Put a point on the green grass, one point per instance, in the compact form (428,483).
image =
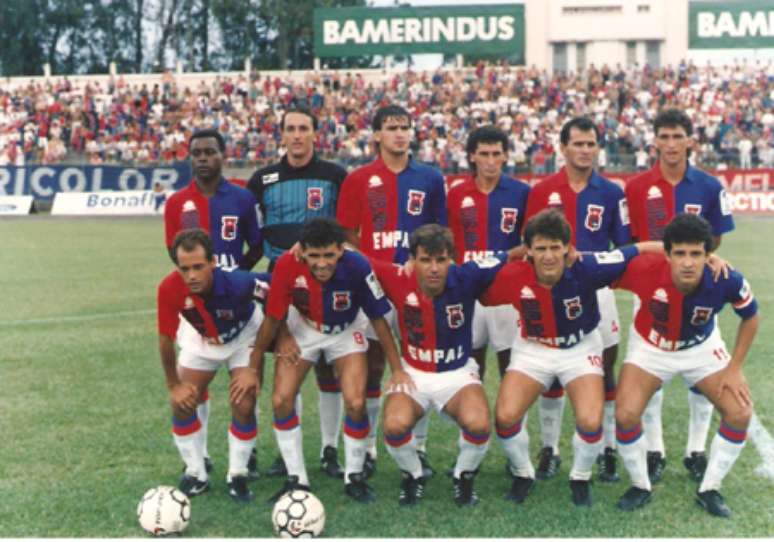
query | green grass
(85,424)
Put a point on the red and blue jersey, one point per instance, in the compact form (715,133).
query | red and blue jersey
(560,316)
(218,316)
(435,333)
(670,320)
(483,224)
(386,207)
(330,306)
(653,202)
(230,217)
(597,215)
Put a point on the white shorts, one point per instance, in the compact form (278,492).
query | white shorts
(197,353)
(609,324)
(436,389)
(392,321)
(312,343)
(543,363)
(693,364)
(495,326)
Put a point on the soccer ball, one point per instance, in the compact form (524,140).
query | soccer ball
(298,514)
(164,510)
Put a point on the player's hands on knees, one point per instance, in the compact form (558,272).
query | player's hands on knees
(718,266)
(286,349)
(242,384)
(184,396)
(400,381)
(733,380)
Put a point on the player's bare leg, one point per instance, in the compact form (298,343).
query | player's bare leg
(241,441)
(470,410)
(517,392)
(376,364)
(726,445)
(587,398)
(352,372)
(550,410)
(330,417)
(186,429)
(401,413)
(607,460)
(635,388)
(479,354)
(288,377)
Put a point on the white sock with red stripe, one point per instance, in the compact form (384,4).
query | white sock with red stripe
(420,431)
(515,443)
(725,449)
(241,440)
(608,420)
(203,413)
(651,423)
(473,448)
(586,446)
(330,412)
(290,443)
(403,449)
(631,447)
(373,400)
(700,409)
(550,410)
(188,442)
(355,439)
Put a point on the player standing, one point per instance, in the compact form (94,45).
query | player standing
(595,209)
(672,186)
(299,188)
(213,315)
(381,204)
(674,332)
(227,212)
(486,214)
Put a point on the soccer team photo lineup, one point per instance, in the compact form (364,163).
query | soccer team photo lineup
(324,290)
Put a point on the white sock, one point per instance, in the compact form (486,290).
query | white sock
(290,444)
(515,443)
(203,413)
(700,409)
(330,418)
(188,442)
(651,424)
(420,431)
(355,441)
(472,451)
(550,410)
(585,448)
(373,400)
(608,425)
(241,440)
(726,447)
(632,449)
(403,450)
(298,404)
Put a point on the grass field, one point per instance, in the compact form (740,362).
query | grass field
(85,425)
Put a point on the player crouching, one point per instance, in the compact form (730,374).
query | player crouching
(323,296)
(218,324)
(674,333)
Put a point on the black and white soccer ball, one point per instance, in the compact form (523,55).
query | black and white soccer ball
(164,510)
(298,514)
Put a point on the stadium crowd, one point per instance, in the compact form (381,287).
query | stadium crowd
(732,108)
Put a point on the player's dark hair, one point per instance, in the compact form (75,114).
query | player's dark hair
(688,228)
(673,118)
(386,112)
(321,232)
(433,238)
(549,224)
(486,134)
(582,124)
(303,110)
(209,132)
(188,240)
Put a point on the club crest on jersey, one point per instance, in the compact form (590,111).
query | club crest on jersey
(594,217)
(693,209)
(701,316)
(654,192)
(341,300)
(554,200)
(573,308)
(314,198)
(416,201)
(508,216)
(228,227)
(225,314)
(454,315)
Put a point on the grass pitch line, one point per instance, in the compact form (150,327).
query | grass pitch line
(77,318)
(764,443)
